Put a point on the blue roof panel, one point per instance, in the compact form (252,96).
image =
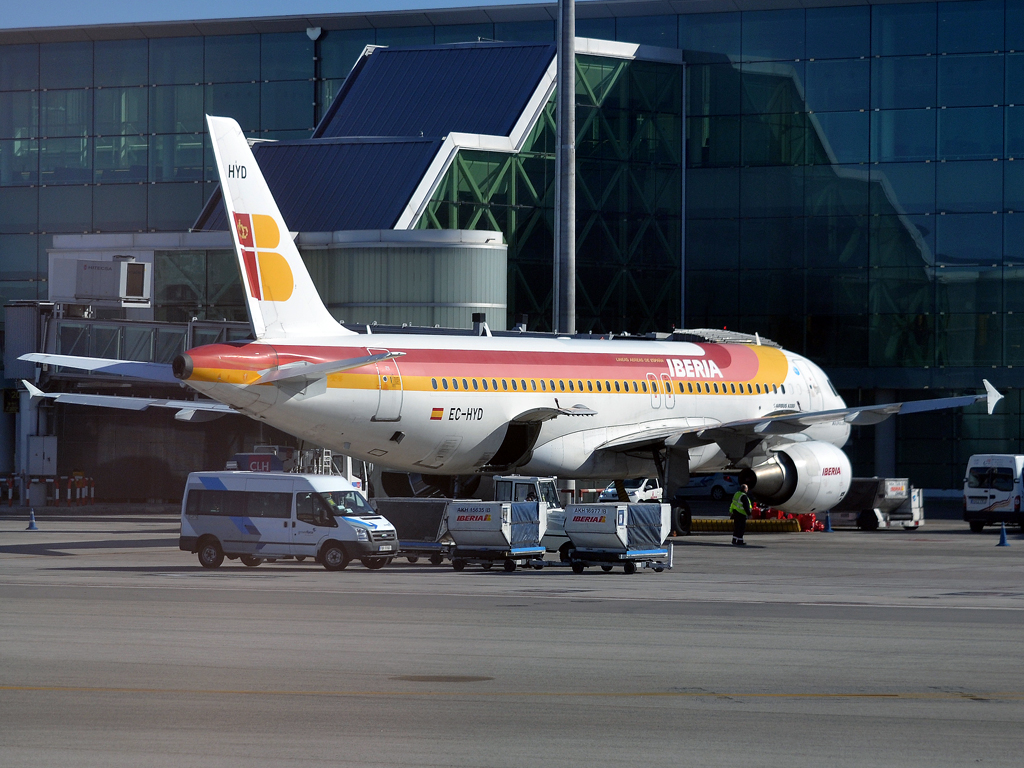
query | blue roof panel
(326,185)
(469,88)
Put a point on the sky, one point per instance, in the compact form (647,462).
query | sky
(16,14)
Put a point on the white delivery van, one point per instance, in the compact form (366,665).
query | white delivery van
(267,516)
(992,490)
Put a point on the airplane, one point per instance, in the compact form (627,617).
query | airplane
(546,405)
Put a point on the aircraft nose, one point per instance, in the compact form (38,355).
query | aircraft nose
(182,367)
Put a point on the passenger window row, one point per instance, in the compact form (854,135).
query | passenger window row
(238,503)
(592,385)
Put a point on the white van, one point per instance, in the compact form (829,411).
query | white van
(992,490)
(267,516)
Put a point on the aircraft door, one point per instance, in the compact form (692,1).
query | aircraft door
(666,386)
(389,378)
(652,382)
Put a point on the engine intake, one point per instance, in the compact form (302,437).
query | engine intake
(801,478)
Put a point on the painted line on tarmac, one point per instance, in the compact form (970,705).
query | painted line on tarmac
(893,696)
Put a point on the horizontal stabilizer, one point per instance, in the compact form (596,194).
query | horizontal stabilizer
(303,370)
(137,370)
(203,410)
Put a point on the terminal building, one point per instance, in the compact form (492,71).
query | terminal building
(847,181)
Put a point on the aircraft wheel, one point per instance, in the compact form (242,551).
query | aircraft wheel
(510,565)
(577,567)
(210,554)
(250,560)
(629,568)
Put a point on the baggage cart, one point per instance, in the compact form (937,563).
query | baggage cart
(421,527)
(607,535)
(487,532)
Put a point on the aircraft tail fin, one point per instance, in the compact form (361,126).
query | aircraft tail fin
(280,295)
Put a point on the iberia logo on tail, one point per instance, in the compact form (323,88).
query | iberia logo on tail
(267,273)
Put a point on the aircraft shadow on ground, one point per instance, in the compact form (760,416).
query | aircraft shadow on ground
(50,549)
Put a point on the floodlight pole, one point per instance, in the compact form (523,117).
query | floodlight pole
(564,288)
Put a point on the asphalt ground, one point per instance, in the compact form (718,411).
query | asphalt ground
(843,649)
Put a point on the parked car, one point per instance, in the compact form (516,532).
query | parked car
(638,489)
(718,486)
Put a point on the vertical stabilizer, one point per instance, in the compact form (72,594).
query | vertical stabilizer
(281,298)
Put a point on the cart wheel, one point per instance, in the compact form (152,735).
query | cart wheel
(510,565)
(374,563)
(565,552)
(250,560)
(537,566)
(299,558)
(458,564)
(629,568)
(436,559)
(413,559)
(658,568)
(606,568)
(577,567)
(487,565)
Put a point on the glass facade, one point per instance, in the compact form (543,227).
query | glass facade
(854,181)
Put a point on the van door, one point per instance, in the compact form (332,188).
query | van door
(990,486)
(269,507)
(312,524)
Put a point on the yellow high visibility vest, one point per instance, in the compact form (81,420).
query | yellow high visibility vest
(737,503)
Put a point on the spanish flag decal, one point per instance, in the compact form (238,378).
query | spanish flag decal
(437,414)
(267,274)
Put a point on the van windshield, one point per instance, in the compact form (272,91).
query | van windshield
(350,503)
(996,478)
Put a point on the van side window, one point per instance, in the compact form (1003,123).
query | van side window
(260,504)
(238,503)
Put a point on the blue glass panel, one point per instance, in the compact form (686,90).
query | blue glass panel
(65,113)
(65,65)
(121,111)
(710,294)
(65,161)
(65,209)
(525,31)
(903,30)
(339,49)
(713,244)
(969,186)
(1015,78)
(287,106)
(843,136)
(969,341)
(903,134)
(176,109)
(286,56)
(19,162)
(969,238)
(232,59)
(837,291)
(970,80)
(122,62)
(120,208)
(712,141)
(976,25)
(1013,253)
(903,188)
(19,115)
(1013,185)
(462,33)
(19,254)
(763,291)
(176,60)
(120,159)
(19,67)
(401,37)
(1014,39)
(712,193)
(774,139)
(838,241)
(1015,132)
(713,89)
(837,86)
(238,100)
(838,33)
(970,133)
(903,83)
(969,289)
(770,192)
(773,35)
(906,290)
(903,241)
(176,157)
(773,87)
(600,29)
(174,207)
(833,190)
(648,30)
(710,33)
(21,209)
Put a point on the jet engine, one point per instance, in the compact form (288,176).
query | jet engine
(801,477)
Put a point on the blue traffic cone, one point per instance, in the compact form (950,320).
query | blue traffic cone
(828,522)
(1002,536)
(32,521)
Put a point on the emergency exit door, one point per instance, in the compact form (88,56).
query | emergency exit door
(389,380)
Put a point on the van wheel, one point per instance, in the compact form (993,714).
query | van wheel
(374,563)
(299,558)
(210,554)
(333,557)
(249,560)
(413,559)
(977,526)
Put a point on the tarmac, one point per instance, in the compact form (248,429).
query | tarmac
(803,649)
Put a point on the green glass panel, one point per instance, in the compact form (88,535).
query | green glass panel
(65,113)
(19,162)
(400,37)
(20,206)
(176,60)
(19,115)
(120,208)
(238,100)
(286,56)
(286,106)
(339,49)
(176,158)
(18,259)
(65,209)
(121,111)
(65,161)
(970,340)
(903,340)
(120,159)
(525,31)
(176,109)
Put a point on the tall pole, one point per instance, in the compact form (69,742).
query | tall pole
(564,288)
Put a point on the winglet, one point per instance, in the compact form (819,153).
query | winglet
(992,396)
(34,392)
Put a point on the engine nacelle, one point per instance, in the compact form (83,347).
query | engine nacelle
(801,478)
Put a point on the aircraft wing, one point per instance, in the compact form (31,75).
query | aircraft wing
(302,370)
(737,437)
(149,371)
(188,410)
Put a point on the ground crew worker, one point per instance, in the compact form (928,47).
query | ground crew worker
(739,510)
